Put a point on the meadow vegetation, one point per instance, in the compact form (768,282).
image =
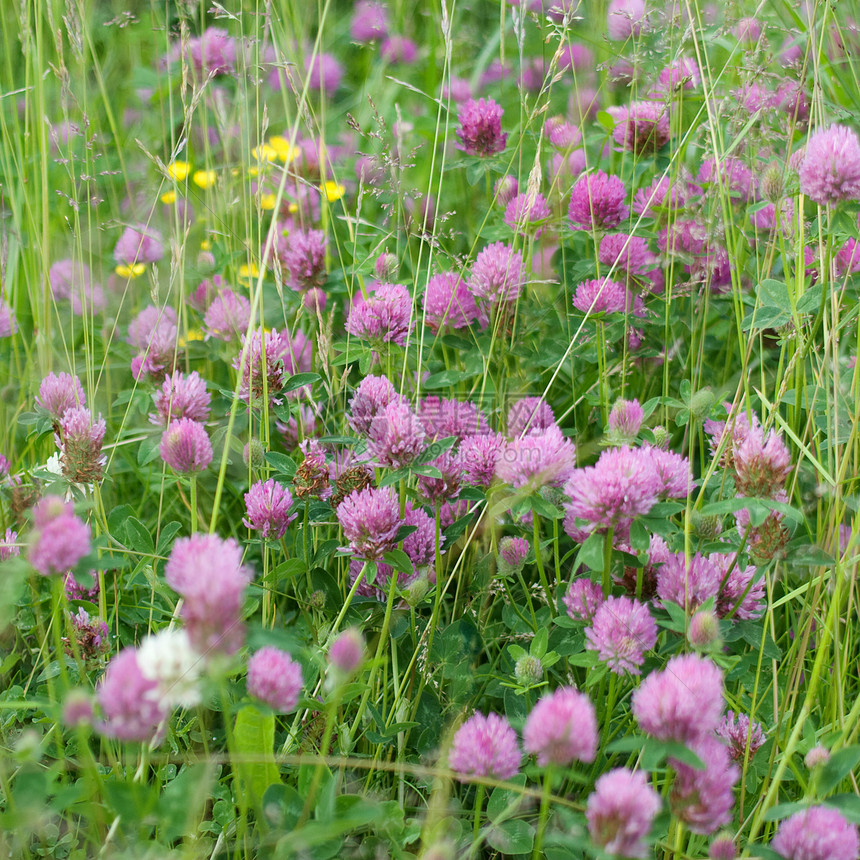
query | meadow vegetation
(429,430)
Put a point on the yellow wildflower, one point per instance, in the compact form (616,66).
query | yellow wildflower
(130,272)
(247,272)
(204,178)
(179,170)
(192,334)
(265,153)
(285,152)
(333,191)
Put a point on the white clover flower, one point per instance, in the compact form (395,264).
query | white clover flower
(168,658)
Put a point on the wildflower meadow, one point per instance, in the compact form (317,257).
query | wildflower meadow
(429,429)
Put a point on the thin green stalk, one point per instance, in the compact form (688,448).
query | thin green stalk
(543,817)
(679,839)
(528,598)
(374,671)
(437,597)
(601,373)
(800,721)
(193,502)
(58,622)
(232,753)
(610,707)
(331,714)
(513,604)
(268,588)
(607,561)
(476,824)
(306,548)
(346,604)
(539,561)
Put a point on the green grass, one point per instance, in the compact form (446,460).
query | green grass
(362,770)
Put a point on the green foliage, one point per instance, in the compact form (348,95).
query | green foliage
(93,120)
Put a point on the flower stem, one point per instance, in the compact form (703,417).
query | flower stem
(806,708)
(374,670)
(476,828)
(193,502)
(437,597)
(679,839)
(613,691)
(58,622)
(601,372)
(331,714)
(607,562)
(539,560)
(306,548)
(544,812)
(347,602)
